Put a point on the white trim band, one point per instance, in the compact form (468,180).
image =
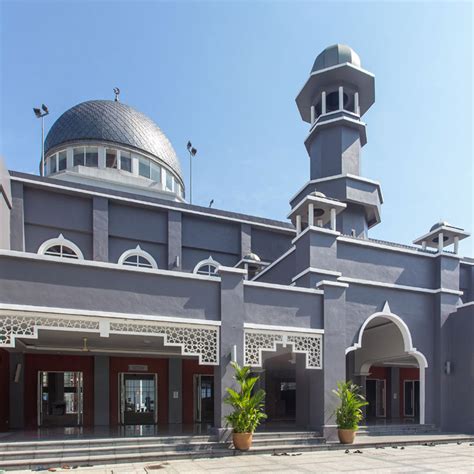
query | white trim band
(274,286)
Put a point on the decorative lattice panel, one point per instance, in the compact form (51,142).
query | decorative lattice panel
(258,341)
(27,326)
(193,341)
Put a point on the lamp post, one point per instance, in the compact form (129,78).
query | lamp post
(192,152)
(41,113)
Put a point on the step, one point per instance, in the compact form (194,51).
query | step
(81,442)
(285,434)
(213,450)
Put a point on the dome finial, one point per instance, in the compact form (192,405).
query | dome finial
(117,93)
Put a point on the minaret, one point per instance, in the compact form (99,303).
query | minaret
(336,95)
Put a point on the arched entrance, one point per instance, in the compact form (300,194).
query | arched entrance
(390,370)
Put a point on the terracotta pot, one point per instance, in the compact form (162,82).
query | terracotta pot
(242,441)
(346,436)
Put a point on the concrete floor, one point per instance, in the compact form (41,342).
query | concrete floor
(448,458)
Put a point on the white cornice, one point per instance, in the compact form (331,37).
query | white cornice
(269,327)
(465,305)
(105,265)
(332,283)
(369,243)
(340,176)
(314,228)
(152,204)
(394,286)
(8,308)
(318,271)
(274,286)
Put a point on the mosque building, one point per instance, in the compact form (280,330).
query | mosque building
(123,305)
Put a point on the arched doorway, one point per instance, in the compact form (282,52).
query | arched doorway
(390,370)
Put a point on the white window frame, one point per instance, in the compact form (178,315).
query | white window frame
(137,251)
(60,240)
(207,262)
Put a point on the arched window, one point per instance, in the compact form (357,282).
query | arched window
(137,258)
(61,247)
(207,267)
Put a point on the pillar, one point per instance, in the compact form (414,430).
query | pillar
(175,397)
(17,219)
(17,390)
(341,98)
(174,240)
(333,218)
(356,103)
(311,214)
(232,334)
(323,102)
(100,229)
(440,242)
(313,114)
(101,391)
(298,224)
(334,357)
(395,392)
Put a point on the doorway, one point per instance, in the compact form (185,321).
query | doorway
(138,398)
(203,398)
(60,398)
(376,396)
(411,398)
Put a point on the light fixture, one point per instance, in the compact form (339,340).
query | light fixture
(85,347)
(41,113)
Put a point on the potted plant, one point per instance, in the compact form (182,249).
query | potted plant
(247,407)
(349,412)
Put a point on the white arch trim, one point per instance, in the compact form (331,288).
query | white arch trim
(207,261)
(141,253)
(408,346)
(60,240)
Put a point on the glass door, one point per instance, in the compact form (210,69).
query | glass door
(411,398)
(380,398)
(60,398)
(138,399)
(203,398)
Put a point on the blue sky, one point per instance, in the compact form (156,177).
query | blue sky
(225,75)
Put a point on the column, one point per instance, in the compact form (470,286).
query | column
(334,357)
(298,224)
(17,390)
(356,103)
(174,240)
(101,391)
(311,214)
(341,98)
(175,397)
(323,102)
(100,229)
(17,218)
(101,157)
(232,334)
(313,114)
(333,218)
(440,242)
(456,244)
(395,393)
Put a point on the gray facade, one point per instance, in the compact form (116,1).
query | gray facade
(336,303)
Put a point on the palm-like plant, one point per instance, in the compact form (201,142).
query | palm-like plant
(349,413)
(248,407)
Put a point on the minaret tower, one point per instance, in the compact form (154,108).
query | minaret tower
(336,95)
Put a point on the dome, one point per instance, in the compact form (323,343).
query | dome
(334,55)
(115,122)
(442,224)
(318,194)
(252,256)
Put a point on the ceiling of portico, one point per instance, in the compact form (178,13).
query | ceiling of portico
(69,342)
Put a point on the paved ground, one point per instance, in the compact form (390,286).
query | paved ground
(452,458)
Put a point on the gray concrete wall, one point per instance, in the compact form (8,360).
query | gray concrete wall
(175,390)
(101,391)
(53,283)
(5,206)
(283,308)
(459,405)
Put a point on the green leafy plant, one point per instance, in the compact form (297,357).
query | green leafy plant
(247,407)
(349,412)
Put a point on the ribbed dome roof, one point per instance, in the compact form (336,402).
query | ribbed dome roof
(334,55)
(115,122)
